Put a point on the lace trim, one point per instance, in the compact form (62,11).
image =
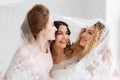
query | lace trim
(23,65)
(66,63)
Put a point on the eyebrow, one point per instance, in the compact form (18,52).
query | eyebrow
(84,29)
(90,30)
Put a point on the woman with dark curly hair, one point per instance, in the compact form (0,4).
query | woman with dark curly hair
(60,47)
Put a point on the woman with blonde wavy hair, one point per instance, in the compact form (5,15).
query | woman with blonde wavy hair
(87,39)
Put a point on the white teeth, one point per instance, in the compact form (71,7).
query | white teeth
(83,40)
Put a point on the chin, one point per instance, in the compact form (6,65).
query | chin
(82,44)
(63,46)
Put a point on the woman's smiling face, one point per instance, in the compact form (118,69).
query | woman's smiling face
(87,35)
(62,36)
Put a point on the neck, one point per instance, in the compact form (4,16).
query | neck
(58,54)
(42,43)
(58,51)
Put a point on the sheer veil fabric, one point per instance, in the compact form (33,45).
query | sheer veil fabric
(95,65)
(27,63)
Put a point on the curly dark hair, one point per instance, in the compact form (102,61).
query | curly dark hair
(67,50)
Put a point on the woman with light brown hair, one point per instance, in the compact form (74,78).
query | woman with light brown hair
(33,61)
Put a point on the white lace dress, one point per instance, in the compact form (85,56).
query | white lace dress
(91,67)
(59,71)
(29,63)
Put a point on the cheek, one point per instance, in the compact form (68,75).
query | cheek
(57,42)
(68,36)
(50,30)
(58,38)
(89,37)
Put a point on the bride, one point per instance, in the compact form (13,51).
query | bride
(32,61)
(95,57)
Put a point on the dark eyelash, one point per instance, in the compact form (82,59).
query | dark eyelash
(90,32)
(68,33)
(58,33)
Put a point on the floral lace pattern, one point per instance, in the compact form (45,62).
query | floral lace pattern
(91,67)
(65,64)
(60,70)
(94,66)
(29,64)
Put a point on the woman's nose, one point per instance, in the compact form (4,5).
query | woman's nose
(65,36)
(84,35)
(55,28)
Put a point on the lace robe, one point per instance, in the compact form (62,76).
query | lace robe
(93,66)
(29,63)
(59,71)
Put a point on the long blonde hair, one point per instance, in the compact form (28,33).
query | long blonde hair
(91,43)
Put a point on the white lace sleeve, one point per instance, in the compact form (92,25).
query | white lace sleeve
(16,67)
(29,63)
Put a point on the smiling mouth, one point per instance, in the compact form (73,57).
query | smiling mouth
(83,40)
(65,42)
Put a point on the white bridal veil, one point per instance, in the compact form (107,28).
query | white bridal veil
(97,65)
(93,66)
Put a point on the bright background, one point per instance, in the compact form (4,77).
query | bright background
(12,14)
(113,22)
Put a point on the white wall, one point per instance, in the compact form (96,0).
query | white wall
(89,9)
(12,16)
(113,21)
(95,8)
